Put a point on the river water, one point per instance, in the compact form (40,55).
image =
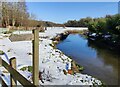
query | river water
(97,62)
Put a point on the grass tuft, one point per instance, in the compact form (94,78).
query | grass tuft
(1,52)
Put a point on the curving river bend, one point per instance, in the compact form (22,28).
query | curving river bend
(97,62)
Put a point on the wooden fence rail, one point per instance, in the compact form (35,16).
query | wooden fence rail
(15,75)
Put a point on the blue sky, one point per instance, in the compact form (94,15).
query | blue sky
(61,12)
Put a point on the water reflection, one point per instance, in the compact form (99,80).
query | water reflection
(98,62)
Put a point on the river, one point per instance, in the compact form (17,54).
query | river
(97,62)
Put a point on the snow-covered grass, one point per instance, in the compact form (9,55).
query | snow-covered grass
(52,61)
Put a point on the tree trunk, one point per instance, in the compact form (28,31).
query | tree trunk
(13,22)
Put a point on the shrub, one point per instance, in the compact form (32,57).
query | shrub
(1,52)
(29,68)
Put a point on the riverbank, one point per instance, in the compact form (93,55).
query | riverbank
(52,61)
(107,41)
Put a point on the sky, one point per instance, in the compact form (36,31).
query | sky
(60,0)
(61,12)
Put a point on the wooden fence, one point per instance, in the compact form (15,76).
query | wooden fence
(15,75)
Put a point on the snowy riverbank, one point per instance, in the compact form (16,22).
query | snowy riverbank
(52,61)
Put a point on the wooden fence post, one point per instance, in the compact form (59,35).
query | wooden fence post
(0,62)
(36,57)
(13,82)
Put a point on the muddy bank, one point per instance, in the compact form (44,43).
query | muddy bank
(21,37)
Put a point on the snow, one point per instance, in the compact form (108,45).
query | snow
(93,34)
(107,36)
(52,61)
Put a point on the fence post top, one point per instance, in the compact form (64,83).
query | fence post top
(35,29)
(12,58)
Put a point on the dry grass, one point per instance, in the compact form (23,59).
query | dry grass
(76,31)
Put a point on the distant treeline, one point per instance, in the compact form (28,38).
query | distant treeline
(51,24)
(80,23)
(108,24)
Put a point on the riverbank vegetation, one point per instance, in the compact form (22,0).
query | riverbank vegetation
(104,30)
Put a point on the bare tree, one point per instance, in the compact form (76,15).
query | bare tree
(14,13)
(0,13)
(5,13)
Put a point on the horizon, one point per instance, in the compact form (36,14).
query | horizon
(61,12)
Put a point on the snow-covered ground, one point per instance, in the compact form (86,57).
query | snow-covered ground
(52,61)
